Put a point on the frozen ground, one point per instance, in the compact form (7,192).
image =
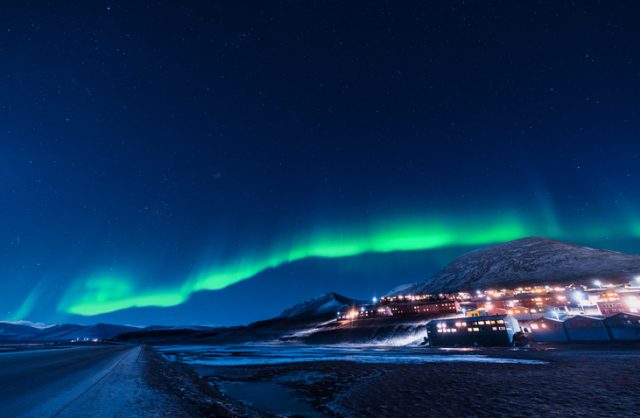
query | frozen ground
(353,381)
(270,354)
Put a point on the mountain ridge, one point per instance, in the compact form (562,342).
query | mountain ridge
(526,261)
(327,303)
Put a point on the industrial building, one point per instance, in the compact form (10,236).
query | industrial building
(546,330)
(487,331)
(623,327)
(426,306)
(582,328)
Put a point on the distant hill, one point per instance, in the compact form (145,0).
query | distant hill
(527,261)
(326,304)
(69,332)
(301,319)
(15,332)
(298,317)
(59,333)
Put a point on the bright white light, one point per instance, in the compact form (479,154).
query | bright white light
(633,303)
(578,296)
(374,299)
(597,283)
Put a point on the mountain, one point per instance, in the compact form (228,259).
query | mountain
(59,333)
(527,261)
(68,332)
(327,303)
(293,324)
(16,332)
(39,325)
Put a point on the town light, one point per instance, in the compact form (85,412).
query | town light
(633,303)
(597,283)
(352,314)
(579,297)
(374,300)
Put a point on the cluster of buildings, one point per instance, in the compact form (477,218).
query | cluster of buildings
(578,313)
(501,330)
(403,306)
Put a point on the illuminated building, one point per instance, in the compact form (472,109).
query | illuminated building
(610,303)
(546,330)
(488,331)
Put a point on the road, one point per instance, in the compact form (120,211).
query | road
(89,381)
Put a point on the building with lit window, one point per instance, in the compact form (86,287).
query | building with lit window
(624,327)
(485,331)
(546,330)
(424,308)
(610,303)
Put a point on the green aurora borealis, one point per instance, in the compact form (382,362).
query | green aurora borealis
(104,293)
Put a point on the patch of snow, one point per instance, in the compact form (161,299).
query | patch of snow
(37,325)
(247,355)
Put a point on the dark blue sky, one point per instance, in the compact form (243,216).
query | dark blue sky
(152,153)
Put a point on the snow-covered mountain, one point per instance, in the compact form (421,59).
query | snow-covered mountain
(68,332)
(527,261)
(327,303)
(10,332)
(16,332)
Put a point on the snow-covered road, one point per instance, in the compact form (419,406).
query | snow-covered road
(94,381)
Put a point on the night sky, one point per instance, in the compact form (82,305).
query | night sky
(199,163)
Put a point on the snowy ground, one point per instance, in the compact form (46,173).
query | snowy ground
(352,381)
(96,381)
(269,354)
